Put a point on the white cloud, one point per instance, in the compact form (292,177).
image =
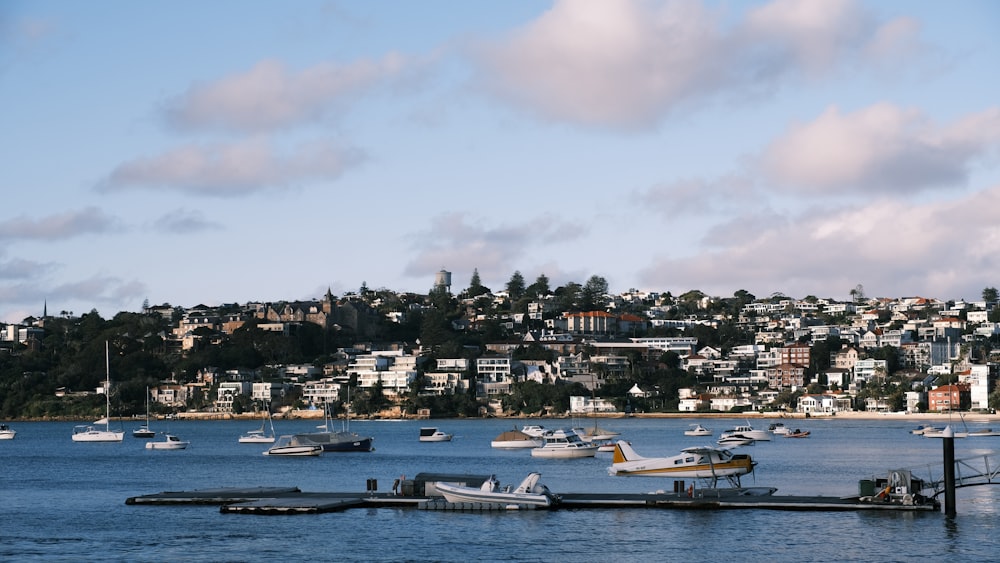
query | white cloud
(184,221)
(234,169)
(893,247)
(879,148)
(271,96)
(59,226)
(628,63)
(460,243)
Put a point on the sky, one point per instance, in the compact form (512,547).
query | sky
(191,152)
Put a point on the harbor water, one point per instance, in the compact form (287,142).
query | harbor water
(65,501)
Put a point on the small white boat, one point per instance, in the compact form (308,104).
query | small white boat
(564,444)
(595,434)
(6,432)
(431,434)
(529,492)
(93,432)
(697,462)
(534,430)
(925,428)
(698,430)
(778,429)
(513,439)
(291,446)
(261,435)
(734,440)
(169,442)
(747,431)
(144,431)
(982,432)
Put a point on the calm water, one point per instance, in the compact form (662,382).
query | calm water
(61,500)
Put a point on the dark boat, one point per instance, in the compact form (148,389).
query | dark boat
(334,441)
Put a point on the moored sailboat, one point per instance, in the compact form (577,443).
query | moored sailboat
(93,432)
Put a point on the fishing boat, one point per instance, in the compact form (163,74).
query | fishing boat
(337,441)
(144,430)
(293,447)
(93,432)
(704,462)
(513,439)
(698,430)
(529,493)
(778,429)
(169,442)
(6,432)
(431,434)
(261,435)
(564,444)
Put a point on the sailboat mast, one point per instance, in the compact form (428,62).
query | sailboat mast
(107,387)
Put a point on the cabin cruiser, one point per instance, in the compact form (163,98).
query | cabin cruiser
(513,439)
(430,434)
(564,443)
(703,462)
(778,429)
(169,442)
(748,431)
(925,428)
(529,492)
(797,434)
(698,430)
(733,440)
(6,432)
(292,446)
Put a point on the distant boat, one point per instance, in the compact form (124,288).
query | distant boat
(292,446)
(6,432)
(513,439)
(92,432)
(797,434)
(534,430)
(698,430)
(260,436)
(334,441)
(169,442)
(563,444)
(431,434)
(747,431)
(144,431)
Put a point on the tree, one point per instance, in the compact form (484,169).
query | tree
(593,292)
(990,295)
(540,288)
(476,288)
(858,293)
(515,287)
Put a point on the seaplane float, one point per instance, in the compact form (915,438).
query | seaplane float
(700,462)
(529,493)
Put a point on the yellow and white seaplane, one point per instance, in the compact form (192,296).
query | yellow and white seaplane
(707,463)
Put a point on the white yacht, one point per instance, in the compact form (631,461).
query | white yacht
(564,443)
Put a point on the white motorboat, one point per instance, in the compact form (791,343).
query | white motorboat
(292,446)
(698,430)
(562,444)
(698,462)
(431,434)
(513,439)
(6,432)
(261,435)
(93,432)
(982,432)
(169,442)
(534,430)
(734,440)
(529,493)
(144,430)
(778,429)
(748,431)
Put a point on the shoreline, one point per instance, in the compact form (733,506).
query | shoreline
(311,415)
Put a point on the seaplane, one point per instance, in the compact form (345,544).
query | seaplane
(700,462)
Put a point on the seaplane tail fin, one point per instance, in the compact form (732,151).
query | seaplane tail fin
(624,452)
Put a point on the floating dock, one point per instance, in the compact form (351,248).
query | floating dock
(290,500)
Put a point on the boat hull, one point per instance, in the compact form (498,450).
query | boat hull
(143,433)
(457,494)
(98,436)
(166,445)
(8,435)
(338,441)
(295,451)
(565,453)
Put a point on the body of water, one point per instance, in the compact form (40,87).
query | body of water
(61,500)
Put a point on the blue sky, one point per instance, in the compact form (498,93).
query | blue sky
(233,151)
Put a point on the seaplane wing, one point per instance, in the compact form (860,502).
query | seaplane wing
(697,462)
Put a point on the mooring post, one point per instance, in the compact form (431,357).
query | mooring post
(949,470)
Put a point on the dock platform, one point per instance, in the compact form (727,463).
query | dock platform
(290,500)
